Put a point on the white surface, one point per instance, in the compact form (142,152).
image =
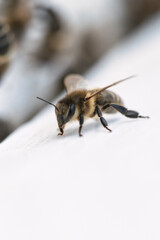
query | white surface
(103,185)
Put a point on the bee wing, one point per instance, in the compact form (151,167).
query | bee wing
(74,82)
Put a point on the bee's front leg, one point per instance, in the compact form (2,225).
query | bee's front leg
(81,121)
(61,131)
(102,119)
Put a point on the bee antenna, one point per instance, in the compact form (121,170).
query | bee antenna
(115,83)
(49,103)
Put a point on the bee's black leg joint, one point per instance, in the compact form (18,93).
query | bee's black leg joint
(81,121)
(102,119)
(125,111)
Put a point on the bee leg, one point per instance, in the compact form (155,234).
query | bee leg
(61,132)
(102,119)
(125,111)
(81,121)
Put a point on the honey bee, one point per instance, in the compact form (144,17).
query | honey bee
(80,103)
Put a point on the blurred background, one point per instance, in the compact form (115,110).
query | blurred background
(43,41)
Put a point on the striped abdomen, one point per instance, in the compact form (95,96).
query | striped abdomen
(107,97)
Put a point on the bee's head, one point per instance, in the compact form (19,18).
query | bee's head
(64,112)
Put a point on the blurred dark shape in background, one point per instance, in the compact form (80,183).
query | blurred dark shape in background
(16,14)
(52,42)
(6,46)
(40,43)
(140,10)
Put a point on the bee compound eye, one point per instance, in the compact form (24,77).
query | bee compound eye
(71,112)
(72,108)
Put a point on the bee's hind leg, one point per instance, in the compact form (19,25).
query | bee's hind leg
(81,121)
(125,111)
(102,119)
